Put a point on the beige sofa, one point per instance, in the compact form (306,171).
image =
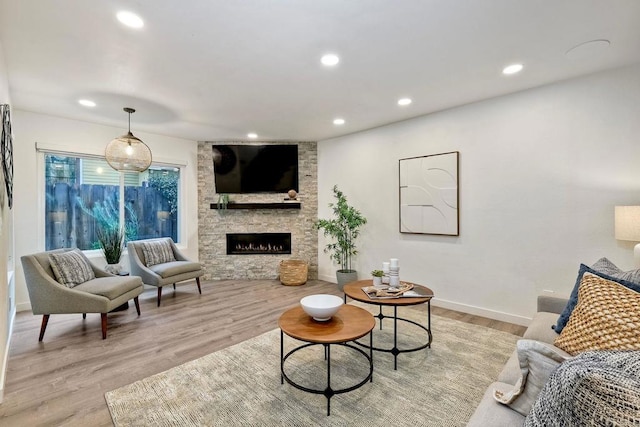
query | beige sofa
(493,414)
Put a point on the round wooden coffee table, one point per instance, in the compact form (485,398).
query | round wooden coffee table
(354,291)
(348,324)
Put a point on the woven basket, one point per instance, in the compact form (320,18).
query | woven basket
(293,272)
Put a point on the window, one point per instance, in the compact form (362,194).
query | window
(84,194)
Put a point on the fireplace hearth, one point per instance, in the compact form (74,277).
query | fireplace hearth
(258,243)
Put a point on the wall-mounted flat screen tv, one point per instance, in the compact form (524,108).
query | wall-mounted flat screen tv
(267,168)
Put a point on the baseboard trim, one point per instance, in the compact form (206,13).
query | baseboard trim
(464,308)
(327,278)
(5,356)
(23,306)
(483,312)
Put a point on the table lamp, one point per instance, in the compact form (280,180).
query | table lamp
(627,226)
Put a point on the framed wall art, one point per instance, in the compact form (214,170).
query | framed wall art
(6,151)
(429,196)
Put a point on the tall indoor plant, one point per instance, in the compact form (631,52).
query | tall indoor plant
(343,229)
(111,240)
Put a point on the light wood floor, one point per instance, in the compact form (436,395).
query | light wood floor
(62,380)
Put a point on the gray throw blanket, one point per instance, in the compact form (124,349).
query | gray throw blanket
(596,388)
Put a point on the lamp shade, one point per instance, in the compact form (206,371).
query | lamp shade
(627,223)
(127,153)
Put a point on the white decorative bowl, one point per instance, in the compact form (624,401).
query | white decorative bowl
(321,307)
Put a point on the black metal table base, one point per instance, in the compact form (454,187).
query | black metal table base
(328,391)
(395,350)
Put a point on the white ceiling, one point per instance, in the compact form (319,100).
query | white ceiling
(218,69)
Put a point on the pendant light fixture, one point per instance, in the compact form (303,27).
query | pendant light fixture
(127,153)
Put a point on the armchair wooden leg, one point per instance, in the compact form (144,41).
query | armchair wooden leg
(43,327)
(174,286)
(159,294)
(104,325)
(198,282)
(84,315)
(135,300)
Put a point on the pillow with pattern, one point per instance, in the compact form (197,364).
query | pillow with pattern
(71,268)
(573,299)
(603,265)
(157,252)
(607,317)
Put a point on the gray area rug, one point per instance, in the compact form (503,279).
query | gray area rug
(240,385)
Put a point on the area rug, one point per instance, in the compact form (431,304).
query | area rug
(240,385)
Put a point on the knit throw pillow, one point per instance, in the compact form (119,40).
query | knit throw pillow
(601,268)
(607,317)
(596,388)
(157,252)
(71,268)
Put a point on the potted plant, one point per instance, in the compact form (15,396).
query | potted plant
(111,240)
(343,229)
(377,277)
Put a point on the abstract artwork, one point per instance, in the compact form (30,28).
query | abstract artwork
(429,194)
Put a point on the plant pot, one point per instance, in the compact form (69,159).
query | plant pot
(346,276)
(113,268)
(377,281)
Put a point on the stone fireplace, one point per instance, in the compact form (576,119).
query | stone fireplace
(258,214)
(258,243)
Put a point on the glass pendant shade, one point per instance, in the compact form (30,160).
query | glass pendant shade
(127,153)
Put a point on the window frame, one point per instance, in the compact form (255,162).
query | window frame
(50,149)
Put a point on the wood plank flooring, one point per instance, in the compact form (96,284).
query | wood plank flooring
(62,380)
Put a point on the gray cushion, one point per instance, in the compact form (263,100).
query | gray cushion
(71,268)
(540,327)
(537,361)
(111,287)
(174,268)
(492,414)
(510,373)
(157,252)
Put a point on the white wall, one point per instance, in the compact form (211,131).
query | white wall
(77,136)
(7,303)
(540,174)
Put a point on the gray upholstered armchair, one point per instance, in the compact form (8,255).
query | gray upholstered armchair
(160,263)
(100,294)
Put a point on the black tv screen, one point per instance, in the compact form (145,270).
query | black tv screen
(255,168)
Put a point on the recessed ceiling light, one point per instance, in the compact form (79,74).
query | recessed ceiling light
(338,121)
(130,19)
(86,103)
(330,60)
(512,69)
(252,135)
(404,101)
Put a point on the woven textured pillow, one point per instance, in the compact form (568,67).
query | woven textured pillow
(537,361)
(596,388)
(573,299)
(607,317)
(157,252)
(71,268)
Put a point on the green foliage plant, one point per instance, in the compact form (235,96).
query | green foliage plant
(111,240)
(106,215)
(166,183)
(343,229)
(377,273)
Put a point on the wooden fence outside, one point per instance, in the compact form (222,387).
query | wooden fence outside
(67,224)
